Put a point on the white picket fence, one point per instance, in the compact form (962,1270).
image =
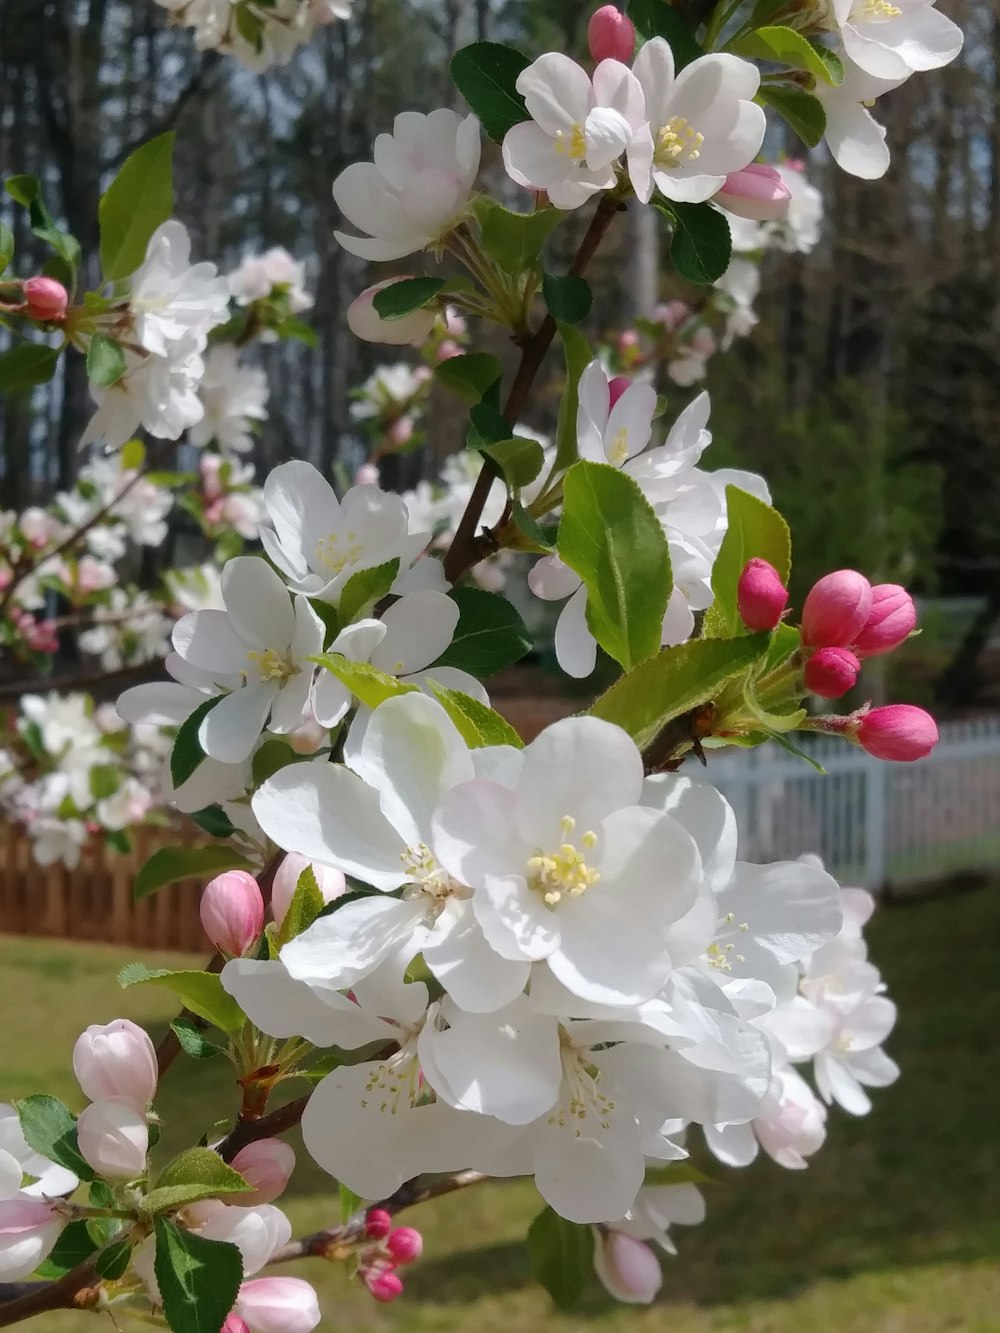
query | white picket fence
(873,823)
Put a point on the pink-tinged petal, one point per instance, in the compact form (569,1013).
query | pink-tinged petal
(576,647)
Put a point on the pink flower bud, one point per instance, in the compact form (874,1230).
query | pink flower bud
(836,609)
(114,1138)
(761,596)
(897,731)
(367,324)
(401,431)
(892,620)
(116,1060)
(611,35)
(378,1223)
(672,315)
(331,883)
(405,1245)
(45,299)
(831,672)
(756,192)
(627,1267)
(28,1230)
(617,387)
(627,341)
(448,350)
(234,1324)
(367,475)
(385,1287)
(267,1165)
(232,911)
(278,1305)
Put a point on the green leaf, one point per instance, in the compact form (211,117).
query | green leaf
(105,361)
(104,779)
(832,61)
(701,246)
(370,685)
(487,425)
(50,1128)
(170,864)
(402,298)
(198,1173)
(610,535)
(519,459)
(560,1254)
(273,755)
(198,1279)
(539,540)
(193,1041)
(569,298)
(187,755)
(674,682)
(26,365)
(515,241)
(363,589)
(489,636)
(350,1203)
(677,1173)
(201,992)
(469,376)
(306,905)
(132,456)
(755,531)
(113,1262)
(136,202)
(6,246)
(27,191)
(215,822)
(784,46)
(803,112)
(655,18)
(74,1246)
(577,355)
(485,74)
(477,723)
(118,840)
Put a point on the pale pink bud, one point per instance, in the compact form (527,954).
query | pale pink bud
(210,467)
(232,911)
(672,315)
(756,192)
(406,1245)
(378,1223)
(761,596)
(897,731)
(831,672)
(286,880)
(367,324)
(892,620)
(267,1165)
(367,475)
(234,1324)
(448,350)
(611,35)
(278,1305)
(617,387)
(627,1267)
(28,1230)
(45,299)
(401,431)
(385,1287)
(628,340)
(114,1138)
(116,1060)
(836,609)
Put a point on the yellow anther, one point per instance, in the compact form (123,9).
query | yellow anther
(336,554)
(589,840)
(567,824)
(576,147)
(270,666)
(618,452)
(563,873)
(677,142)
(881,9)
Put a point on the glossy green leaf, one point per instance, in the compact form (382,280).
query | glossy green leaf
(306,905)
(371,686)
(105,361)
(137,201)
(784,46)
(489,636)
(50,1128)
(515,241)
(519,459)
(755,532)
(469,376)
(485,74)
(477,723)
(187,754)
(27,364)
(799,109)
(656,18)
(577,355)
(198,1173)
(403,297)
(569,299)
(170,864)
(363,589)
(560,1255)
(201,992)
(701,245)
(198,1279)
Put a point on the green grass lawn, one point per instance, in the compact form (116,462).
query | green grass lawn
(894,1229)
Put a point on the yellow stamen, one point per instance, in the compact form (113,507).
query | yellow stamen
(677,142)
(271,666)
(577,145)
(563,873)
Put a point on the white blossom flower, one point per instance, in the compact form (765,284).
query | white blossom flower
(159,393)
(54,839)
(258,276)
(702,123)
(610,427)
(233,396)
(416,189)
(578,131)
(262,636)
(18,1160)
(171,300)
(659,1207)
(891,39)
(853,135)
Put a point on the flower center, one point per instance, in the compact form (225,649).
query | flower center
(575,144)
(618,452)
(429,881)
(271,666)
(677,142)
(722,955)
(396,1080)
(880,9)
(563,873)
(336,553)
(580,1095)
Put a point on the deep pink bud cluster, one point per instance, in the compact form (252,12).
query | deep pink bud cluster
(831,672)
(845,620)
(393,1248)
(761,596)
(611,35)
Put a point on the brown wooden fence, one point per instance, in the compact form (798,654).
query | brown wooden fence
(94,901)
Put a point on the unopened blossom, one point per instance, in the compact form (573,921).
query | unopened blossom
(116,1059)
(831,672)
(233,397)
(366,323)
(836,609)
(232,911)
(628,1268)
(45,299)
(756,192)
(761,595)
(330,882)
(416,189)
(891,621)
(702,124)
(790,1126)
(900,732)
(611,35)
(114,1138)
(267,1165)
(278,1305)
(891,39)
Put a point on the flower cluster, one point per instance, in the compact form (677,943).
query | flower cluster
(258,33)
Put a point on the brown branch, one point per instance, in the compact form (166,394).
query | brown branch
(268,1126)
(75,1290)
(468,548)
(104,680)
